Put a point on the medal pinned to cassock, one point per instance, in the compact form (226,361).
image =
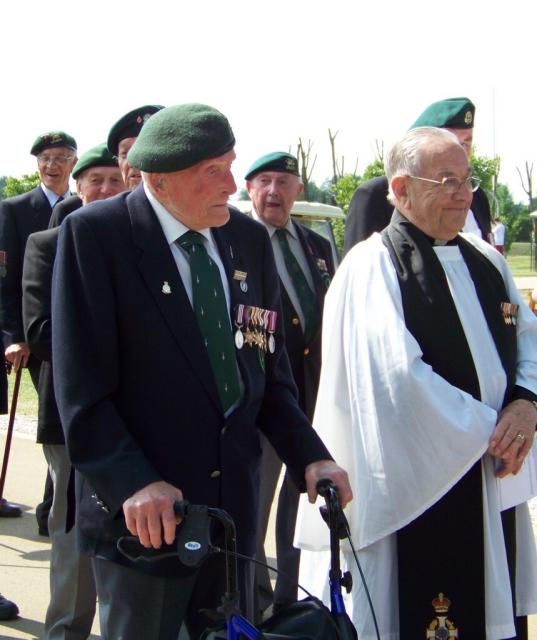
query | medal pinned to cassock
(509,312)
(255,327)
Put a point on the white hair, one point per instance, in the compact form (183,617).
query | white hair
(403,158)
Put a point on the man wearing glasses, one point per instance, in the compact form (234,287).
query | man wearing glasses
(437,388)
(370,210)
(19,217)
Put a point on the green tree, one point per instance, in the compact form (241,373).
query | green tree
(17,186)
(342,191)
(373,170)
(514,216)
(3,180)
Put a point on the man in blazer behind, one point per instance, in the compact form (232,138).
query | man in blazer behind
(156,403)
(19,217)
(72,588)
(369,209)
(305,266)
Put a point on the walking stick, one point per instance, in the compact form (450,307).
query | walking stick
(8,510)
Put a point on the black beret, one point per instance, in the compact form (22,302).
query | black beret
(98,156)
(52,139)
(130,125)
(275,161)
(452,113)
(179,137)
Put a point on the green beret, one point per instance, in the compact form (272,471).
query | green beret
(275,161)
(453,113)
(130,125)
(98,156)
(179,137)
(52,139)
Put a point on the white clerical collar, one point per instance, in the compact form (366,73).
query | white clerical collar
(54,197)
(291,229)
(172,227)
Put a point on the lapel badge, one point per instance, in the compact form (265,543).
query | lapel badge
(166,289)
(241,277)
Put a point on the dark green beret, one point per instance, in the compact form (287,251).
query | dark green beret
(179,137)
(130,125)
(52,139)
(275,161)
(98,156)
(453,113)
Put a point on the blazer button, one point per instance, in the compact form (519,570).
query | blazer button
(295,321)
(223,430)
(215,474)
(306,351)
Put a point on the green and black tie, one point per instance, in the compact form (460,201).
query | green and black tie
(306,297)
(210,307)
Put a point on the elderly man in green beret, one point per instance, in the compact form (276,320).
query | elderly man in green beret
(169,354)
(369,209)
(19,217)
(123,135)
(72,587)
(305,266)
(97,177)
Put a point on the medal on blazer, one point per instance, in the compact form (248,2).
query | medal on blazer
(255,327)
(241,277)
(239,319)
(323,270)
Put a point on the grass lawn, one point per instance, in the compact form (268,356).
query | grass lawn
(519,259)
(27,402)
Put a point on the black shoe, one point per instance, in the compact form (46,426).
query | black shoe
(8,609)
(43,530)
(9,510)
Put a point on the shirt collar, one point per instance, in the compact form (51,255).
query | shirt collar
(291,229)
(172,227)
(54,197)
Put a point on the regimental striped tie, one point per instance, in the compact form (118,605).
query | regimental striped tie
(212,314)
(306,297)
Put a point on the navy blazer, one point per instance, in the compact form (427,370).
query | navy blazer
(370,211)
(305,357)
(134,386)
(36,312)
(19,217)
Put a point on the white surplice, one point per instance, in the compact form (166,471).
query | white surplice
(406,435)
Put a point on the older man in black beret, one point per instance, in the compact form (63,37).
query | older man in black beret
(157,400)
(123,135)
(369,209)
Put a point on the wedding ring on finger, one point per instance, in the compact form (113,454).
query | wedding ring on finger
(520,437)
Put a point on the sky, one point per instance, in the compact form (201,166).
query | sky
(279,70)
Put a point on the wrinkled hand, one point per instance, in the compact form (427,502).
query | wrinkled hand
(17,355)
(149,512)
(513,436)
(328,469)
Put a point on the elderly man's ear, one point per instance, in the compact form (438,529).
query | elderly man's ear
(400,189)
